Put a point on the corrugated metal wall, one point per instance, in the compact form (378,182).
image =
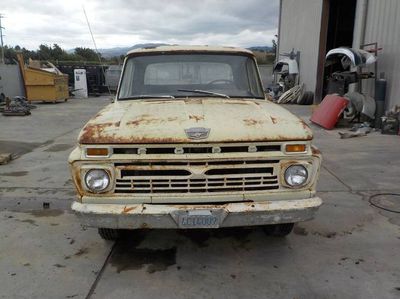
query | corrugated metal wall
(11,83)
(383,26)
(300,29)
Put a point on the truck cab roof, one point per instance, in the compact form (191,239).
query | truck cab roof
(190,49)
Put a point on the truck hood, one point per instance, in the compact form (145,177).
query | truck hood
(165,121)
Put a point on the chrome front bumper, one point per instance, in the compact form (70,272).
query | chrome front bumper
(162,216)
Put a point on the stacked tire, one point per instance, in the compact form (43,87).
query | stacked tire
(306,99)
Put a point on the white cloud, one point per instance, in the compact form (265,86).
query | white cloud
(125,23)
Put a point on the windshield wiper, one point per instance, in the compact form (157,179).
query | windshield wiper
(206,92)
(147,96)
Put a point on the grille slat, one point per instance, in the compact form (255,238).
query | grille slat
(209,181)
(215,178)
(202,190)
(134,165)
(193,150)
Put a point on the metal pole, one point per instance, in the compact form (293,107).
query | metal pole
(1,40)
(95,47)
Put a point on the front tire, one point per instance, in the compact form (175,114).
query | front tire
(279,230)
(109,233)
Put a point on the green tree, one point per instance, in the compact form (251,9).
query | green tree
(274,46)
(57,53)
(86,54)
(44,52)
(9,54)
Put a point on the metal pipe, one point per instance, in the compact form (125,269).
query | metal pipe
(364,21)
(361,38)
(278,38)
(1,40)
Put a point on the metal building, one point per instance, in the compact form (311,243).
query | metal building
(313,27)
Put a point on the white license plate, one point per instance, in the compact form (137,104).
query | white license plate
(198,219)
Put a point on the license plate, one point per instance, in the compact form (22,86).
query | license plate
(198,219)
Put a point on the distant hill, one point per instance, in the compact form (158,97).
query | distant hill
(261,48)
(111,52)
(117,51)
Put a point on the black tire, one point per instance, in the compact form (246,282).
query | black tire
(109,233)
(279,230)
(310,99)
(303,98)
(307,98)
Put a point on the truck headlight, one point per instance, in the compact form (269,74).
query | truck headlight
(97,180)
(296,175)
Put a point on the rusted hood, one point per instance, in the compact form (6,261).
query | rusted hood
(165,121)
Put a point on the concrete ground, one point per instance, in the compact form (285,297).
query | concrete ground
(350,250)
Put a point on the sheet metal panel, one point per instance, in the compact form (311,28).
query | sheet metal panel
(383,26)
(300,29)
(11,83)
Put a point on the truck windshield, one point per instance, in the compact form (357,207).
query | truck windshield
(190,75)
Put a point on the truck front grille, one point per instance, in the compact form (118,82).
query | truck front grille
(196,176)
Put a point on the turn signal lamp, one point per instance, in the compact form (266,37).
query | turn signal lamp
(97,152)
(295,148)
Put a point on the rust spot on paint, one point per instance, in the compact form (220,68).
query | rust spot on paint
(239,103)
(196,117)
(127,210)
(304,125)
(307,128)
(91,132)
(315,151)
(252,122)
(140,140)
(144,225)
(274,120)
(144,119)
(104,133)
(250,206)
(152,101)
(77,179)
(249,122)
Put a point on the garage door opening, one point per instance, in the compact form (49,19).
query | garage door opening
(337,29)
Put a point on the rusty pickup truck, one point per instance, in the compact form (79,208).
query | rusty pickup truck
(190,141)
